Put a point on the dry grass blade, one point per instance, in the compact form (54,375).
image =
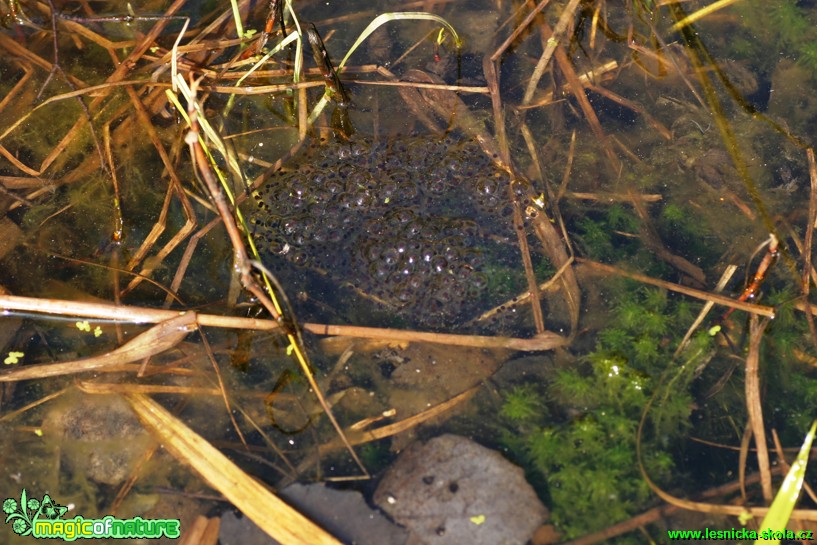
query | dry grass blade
(14,414)
(449,106)
(175,186)
(124,313)
(359,437)
(61,307)
(111,388)
(725,277)
(155,340)
(518,30)
(544,287)
(613,197)
(187,256)
(13,96)
(629,104)
(17,163)
(545,341)
(524,250)
(203,531)
(743,455)
(753,405)
(265,509)
(808,267)
(760,310)
(555,249)
(700,14)
(412,421)
(577,88)
(552,43)
(436,86)
(491,70)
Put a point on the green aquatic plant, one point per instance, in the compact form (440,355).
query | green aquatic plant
(788,331)
(807,56)
(376,456)
(600,235)
(674,214)
(646,316)
(771,30)
(523,404)
(688,232)
(615,339)
(790,389)
(610,235)
(622,218)
(580,428)
(645,350)
(595,239)
(789,22)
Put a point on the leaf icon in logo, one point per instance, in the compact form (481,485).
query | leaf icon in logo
(17,514)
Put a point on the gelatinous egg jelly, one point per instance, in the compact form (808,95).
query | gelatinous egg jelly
(410,221)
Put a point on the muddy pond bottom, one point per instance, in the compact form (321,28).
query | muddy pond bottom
(414,223)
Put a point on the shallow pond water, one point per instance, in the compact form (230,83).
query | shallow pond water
(659,152)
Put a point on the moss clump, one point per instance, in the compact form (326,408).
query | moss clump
(523,404)
(579,431)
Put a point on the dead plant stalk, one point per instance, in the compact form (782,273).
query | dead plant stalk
(243,264)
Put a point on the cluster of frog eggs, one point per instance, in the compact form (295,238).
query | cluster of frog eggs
(390,219)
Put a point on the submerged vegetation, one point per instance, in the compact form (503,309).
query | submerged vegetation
(783,23)
(579,430)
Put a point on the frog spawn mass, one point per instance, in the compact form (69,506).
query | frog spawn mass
(394,219)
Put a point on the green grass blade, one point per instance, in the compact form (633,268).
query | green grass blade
(779,513)
(239,27)
(291,37)
(380,20)
(299,52)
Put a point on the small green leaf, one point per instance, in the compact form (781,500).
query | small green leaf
(384,18)
(13,357)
